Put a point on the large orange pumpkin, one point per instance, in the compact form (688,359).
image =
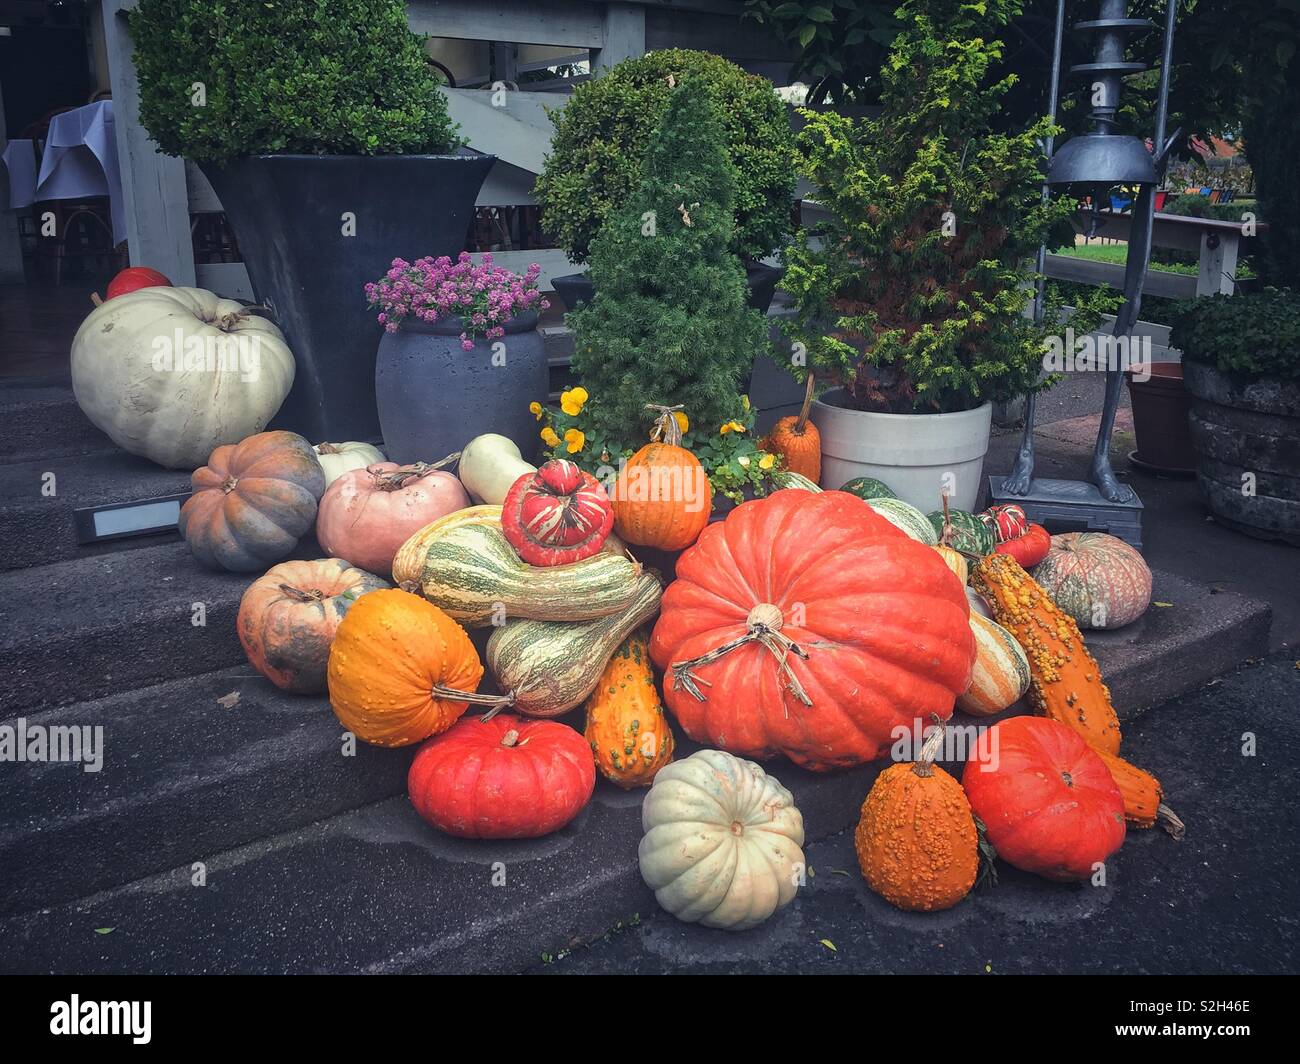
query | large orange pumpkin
(797,440)
(252,502)
(808,625)
(287,619)
(662,498)
(401,670)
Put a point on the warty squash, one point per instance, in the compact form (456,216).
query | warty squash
(630,737)
(548,667)
(916,839)
(1065,680)
(463,564)
(1144,805)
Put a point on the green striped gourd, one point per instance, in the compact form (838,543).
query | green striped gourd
(784,478)
(465,566)
(869,488)
(907,517)
(553,666)
(968,533)
(1000,675)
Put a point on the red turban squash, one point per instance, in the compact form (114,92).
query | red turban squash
(833,627)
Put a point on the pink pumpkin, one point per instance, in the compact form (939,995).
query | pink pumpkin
(367,514)
(1097,579)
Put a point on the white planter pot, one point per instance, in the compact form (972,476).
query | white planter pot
(917,455)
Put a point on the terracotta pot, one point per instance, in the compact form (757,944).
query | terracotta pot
(1160,408)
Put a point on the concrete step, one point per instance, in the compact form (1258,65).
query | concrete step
(40,421)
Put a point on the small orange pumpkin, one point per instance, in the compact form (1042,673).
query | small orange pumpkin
(287,619)
(401,670)
(917,842)
(662,498)
(797,440)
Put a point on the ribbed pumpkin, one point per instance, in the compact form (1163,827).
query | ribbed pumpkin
(1144,804)
(808,626)
(504,778)
(252,502)
(630,737)
(1029,548)
(559,514)
(1097,579)
(339,458)
(1046,799)
(367,514)
(1000,677)
(797,440)
(916,840)
(662,497)
(463,564)
(401,670)
(1065,680)
(287,619)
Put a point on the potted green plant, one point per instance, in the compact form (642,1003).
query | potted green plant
(602,136)
(322,129)
(669,324)
(911,305)
(1241,366)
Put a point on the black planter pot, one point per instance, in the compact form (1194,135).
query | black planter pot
(290,214)
(1242,427)
(434,397)
(575,289)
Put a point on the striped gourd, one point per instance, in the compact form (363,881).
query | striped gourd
(956,561)
(868,488)
(785,478)
(966,532)
(1000,676)
(464,565)
(907,517)
(552,666)
(1097,579)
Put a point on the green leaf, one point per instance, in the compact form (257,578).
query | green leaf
(820,14)
(105,930)
(807,34)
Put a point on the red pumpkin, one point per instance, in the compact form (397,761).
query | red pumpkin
(505,778)
(1028,549)
(557,515)
(879,627)
(1048,802)
(252,502)
(367,514)
(287,619)
(133,278)
(1007,521)
(1097,579)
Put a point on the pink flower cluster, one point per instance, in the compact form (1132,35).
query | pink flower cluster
(484,297)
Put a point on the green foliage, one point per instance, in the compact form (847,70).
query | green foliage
(905,313)
(670,322)
(603,134)
(332,77)
(1255,335)
(1198,206)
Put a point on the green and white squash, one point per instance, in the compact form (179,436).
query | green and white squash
(968,533)
(785,478)
(907,517)
(465,566)
(869,488)
(1000,675)
(552,666)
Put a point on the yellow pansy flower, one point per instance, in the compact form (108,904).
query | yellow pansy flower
(767,461)
(744,461)
(535,409)
(572,401)
(731,426)
(683,422)
(575,438)
(548,436)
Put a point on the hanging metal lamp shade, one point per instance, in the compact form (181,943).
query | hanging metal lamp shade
(1102,159)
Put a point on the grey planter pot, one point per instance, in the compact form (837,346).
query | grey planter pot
(434,397)
(1246,435)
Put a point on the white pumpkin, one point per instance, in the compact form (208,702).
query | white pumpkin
(173,373)
(489,466)
(339,458)
(723,841)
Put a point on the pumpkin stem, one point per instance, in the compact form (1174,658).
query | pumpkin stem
(801,423)
(763,624)
(94,298)
(923,766)
(510,738)
(497,702)
(327,448)
(411,586)
(312,595)
(229,484)
(1170,821)
(666,427)
(397,478)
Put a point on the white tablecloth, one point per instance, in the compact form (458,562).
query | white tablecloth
(80,161)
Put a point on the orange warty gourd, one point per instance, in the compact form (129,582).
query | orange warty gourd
(797,440)
(662,498)
(630,737)
(917,843)
(1143,796)
(401,670)
(1065,680)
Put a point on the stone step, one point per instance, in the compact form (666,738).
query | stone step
(40,421)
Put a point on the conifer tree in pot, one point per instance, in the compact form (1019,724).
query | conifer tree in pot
(913,302)
(321,127)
